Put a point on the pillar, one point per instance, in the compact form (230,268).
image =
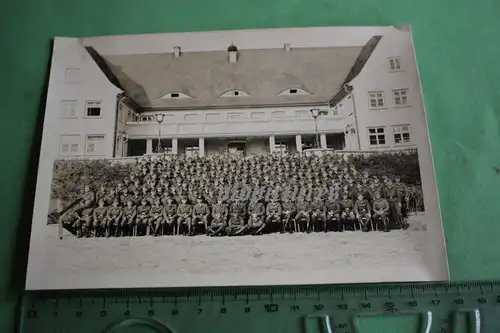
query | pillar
(175,146)
(149,146)
(347,140)
(322,140)
(201,147)
(271,143)
(298,143)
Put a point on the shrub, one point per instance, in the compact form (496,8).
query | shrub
(70,176)
(402,164)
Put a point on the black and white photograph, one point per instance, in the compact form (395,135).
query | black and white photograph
(250,157)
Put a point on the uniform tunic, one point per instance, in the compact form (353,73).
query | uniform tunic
(256,208)
(219,210)
(273,208)
(143,210)
(200,209)
(114,212)
(184,209)
(361,206)
(333,206)
(381,205)
(170,209)
(347,203)
(130,212)
(100,213)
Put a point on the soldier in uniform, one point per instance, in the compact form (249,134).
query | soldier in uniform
(318,216)
(302,218)
(141,221)
(100,214)
(88,195)
(156,221)
(184,213)
(200,214)
(376,186)
(237,213)
(347,215)
(273,214)
(403,197)
(380,211)
(362,211)
(394,198)
(219,218)
(170,216)
(128,220)
(113,218)
(289,212)
(256,211)
(333,211)
(83,221)
(101,193)
(126,196)
(108,199)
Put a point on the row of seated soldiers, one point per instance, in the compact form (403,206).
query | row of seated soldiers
(238,212)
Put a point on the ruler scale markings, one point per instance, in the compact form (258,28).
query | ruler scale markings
(378,296)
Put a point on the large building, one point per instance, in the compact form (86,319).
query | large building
(243,95)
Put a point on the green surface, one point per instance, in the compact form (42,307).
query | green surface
(417,308)
(457,49)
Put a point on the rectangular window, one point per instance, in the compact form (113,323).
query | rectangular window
(213,116)
(95,145)
(400,97)
(191,117)
(68,109)
(401,134)
(72,75)
(257,115)
(302,114)
(147,118)
(377,136)
(234,116)
(281,147)
(93,109)
(377,100)
(394,63)
(192,150)
(278,114)
(69,144)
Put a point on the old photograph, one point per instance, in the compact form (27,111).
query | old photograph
(251,157)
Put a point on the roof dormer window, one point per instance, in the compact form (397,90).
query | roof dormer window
(294,91)
(234,93)
(175,95)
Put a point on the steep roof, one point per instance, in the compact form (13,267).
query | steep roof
(262,74)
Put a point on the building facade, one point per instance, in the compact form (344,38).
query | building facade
(241,100)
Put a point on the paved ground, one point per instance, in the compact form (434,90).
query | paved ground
(248,255)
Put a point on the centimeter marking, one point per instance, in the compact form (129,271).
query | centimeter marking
(272,292)
(342,302)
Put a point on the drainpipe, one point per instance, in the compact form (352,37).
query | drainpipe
(356,127)
(121,96)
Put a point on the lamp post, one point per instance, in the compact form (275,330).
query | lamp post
(159,120)
(315,114)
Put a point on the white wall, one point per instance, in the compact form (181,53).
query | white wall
(92,85)
(121,124)
(377,76)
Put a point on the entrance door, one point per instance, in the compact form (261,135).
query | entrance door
(237,147)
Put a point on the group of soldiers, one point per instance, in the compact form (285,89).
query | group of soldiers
(231,195)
